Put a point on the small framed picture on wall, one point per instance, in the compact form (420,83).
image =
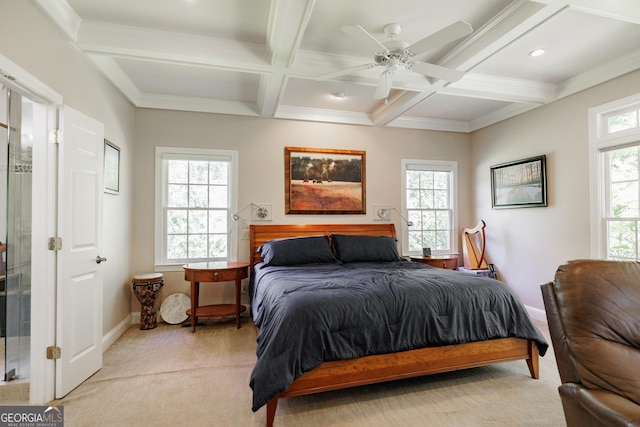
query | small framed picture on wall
(111,168)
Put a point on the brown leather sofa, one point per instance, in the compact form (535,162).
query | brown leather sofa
(593,309)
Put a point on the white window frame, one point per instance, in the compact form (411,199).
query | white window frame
(431,165)
(160,237)
(600,141)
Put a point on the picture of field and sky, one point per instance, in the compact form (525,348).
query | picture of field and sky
(325,181)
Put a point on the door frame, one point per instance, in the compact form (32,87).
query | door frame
(43,288)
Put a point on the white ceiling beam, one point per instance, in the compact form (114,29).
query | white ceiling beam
(512,22)
(63,15)
(501,89)
(398,105)
(126,41)
(288,21)
(114,72)
(621,10)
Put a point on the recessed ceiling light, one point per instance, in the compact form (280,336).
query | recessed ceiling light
(537,52)
(340,95)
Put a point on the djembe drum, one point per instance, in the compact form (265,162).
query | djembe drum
(146,287)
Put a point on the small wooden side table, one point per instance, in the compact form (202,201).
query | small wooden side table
(448,261)
(216,271)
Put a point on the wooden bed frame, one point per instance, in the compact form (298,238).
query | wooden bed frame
(385,367)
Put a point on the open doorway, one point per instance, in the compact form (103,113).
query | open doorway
(16,184)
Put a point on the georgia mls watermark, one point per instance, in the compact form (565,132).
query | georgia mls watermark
(31,416)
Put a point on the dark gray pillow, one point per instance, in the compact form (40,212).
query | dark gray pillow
(365,248)
(300,250)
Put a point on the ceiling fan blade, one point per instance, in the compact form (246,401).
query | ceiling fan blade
(437,71)
(344,72)
(357,32)
(441,38)
(384,85)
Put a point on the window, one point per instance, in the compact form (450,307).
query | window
(622,210)
(621,121)
(430,204)
(615,168)
(195,191)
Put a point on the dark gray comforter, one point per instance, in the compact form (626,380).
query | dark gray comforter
(313,313)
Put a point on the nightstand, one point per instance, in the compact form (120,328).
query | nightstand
(448,261)
(218,271)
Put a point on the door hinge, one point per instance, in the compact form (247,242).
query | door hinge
(55,243)
(55,136)
(54,352)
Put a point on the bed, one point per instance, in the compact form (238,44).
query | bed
(357,314)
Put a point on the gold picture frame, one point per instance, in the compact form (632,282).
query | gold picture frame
(323,181)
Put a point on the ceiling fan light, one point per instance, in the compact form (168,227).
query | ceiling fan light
(537,52)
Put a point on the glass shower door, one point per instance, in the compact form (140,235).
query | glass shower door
(17,255)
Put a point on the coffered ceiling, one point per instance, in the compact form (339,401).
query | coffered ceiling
(267,58)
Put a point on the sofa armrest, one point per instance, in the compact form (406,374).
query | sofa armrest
(596,407)
(558,338)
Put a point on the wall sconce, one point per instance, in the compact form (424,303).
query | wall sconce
(261,212)
(383,213)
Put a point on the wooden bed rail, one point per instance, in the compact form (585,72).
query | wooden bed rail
(408,364)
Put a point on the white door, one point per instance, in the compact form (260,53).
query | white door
(79,294)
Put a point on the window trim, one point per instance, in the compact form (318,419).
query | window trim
(600,140)
(159,237)
(432,165)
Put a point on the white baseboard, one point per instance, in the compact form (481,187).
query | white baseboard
(536,313)
(116,332)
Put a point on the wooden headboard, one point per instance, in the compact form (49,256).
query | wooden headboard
(260,234)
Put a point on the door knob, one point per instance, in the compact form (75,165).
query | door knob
(100,259)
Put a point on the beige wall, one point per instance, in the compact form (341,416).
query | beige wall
(31,41)
(528,245)
(260,144)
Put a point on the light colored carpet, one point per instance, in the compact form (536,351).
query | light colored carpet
(169,376)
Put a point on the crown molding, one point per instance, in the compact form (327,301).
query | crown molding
(110,68)
(611,70)
(323,115)
(63,15)
(499,115)
(501,89)
(200,105)
(430,124)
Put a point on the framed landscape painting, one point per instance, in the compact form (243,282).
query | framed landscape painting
(519,184)
(324,181)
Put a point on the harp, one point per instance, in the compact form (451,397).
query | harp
(472,255)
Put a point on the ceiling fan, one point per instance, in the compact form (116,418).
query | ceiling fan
(395,53)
